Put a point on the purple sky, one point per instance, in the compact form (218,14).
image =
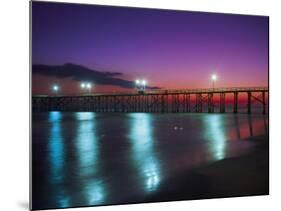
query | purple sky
(171,49)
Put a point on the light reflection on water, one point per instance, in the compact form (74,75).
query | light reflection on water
(87,146)
(215,134)
(142,150)
(144,146)
(56,153)
(56,146)
(86,143)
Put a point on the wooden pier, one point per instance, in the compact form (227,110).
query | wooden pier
(158,101)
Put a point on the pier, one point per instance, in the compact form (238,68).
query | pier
(157,101)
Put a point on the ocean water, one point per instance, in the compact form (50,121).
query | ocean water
(87,158)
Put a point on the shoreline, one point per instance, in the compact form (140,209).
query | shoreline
(246,175)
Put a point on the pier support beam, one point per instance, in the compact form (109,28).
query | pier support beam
(187,102)
(146,106)
(163,103)
(250,125)
(210,103)
(198,107)
(249,102)
(222,102)
(235,106)
(175,103)
(263,102)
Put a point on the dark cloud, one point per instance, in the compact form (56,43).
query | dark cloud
(81,73)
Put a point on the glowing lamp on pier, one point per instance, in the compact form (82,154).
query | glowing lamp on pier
(143,83)
(55,88)
(88,85)
(82,85)
(138,83)
(214,78)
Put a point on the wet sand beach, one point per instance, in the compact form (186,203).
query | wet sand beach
(231,177)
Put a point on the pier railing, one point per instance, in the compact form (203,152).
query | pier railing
(180,100)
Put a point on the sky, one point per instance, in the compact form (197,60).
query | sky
(111,47)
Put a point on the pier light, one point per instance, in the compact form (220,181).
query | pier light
(82,85)
(88,85)
(55,88)
(140,84)
(214,78)
(143,83)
